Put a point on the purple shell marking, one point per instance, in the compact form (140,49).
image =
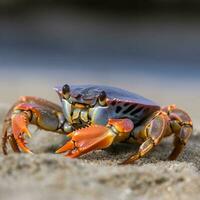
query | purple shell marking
(113,93)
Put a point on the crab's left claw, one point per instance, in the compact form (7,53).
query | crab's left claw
(87,139)
(96,137)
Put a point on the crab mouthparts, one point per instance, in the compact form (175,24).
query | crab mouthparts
(78,105)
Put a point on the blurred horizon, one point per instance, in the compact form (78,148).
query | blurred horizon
(148,47)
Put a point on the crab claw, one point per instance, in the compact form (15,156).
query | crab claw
(19,127)
(87,139)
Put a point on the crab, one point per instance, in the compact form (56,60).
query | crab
(95,117)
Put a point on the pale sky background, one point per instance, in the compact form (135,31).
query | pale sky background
(155,55)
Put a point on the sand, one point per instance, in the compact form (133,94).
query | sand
(97,175)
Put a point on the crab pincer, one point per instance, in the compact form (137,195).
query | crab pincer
(96,137)
(87,139)
(19,128)
(29,110)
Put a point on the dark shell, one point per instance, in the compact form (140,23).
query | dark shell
(89,92)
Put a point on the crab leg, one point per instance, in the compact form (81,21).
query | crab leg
(96,137)
(152,133)
(181,126)
(42,113)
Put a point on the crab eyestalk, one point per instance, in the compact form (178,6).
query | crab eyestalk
(102,98)
(63,92)
(66,91)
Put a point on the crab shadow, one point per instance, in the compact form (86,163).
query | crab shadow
(119,152)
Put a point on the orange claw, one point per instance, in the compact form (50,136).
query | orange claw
(19,127)
(87,139)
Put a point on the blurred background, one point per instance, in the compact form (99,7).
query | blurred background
(150,47)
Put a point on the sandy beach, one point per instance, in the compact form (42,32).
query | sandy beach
(97,175)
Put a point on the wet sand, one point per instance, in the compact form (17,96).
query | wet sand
(96,175)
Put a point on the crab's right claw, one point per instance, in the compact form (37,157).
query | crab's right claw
(87,139)
(19,128)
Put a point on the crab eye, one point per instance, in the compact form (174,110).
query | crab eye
(102,98)
(66,91)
